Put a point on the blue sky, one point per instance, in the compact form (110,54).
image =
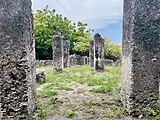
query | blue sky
(105,16)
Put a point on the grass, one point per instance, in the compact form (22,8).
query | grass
(107,81)
(45,109)
(71,114)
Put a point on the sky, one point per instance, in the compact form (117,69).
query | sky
(104,16)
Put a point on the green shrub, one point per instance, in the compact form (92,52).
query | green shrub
(113,51)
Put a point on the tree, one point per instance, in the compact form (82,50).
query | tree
(113,51)
(47,22)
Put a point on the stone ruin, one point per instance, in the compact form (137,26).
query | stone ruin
(58,52)
(71,60)
(66,47)
(44,63)
(85,59)
(64,57)
(17,61)
(118,63)
(141,55)
(40,77)
(108,62)
(98,53)
(78,60)
(91,53)
(140,62)
(88,61)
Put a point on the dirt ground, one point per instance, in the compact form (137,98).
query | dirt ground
(81,104)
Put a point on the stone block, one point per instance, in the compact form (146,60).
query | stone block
(141,55)
(17,61)
(40,77)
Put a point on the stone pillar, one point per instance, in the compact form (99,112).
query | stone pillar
(17,59)
(71,60)
(98,53)
(74,59)
(58,52)
(88,61)
(108,62)
(141,55)
(66,46)
(40,77)
(118,63)
(91,53)
(77,60)
(85,60)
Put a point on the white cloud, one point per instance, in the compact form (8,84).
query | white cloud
(97,13)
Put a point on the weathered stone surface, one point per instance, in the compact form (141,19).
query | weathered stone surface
(40,77)
(17,59)
(118,63)
(88,61)
(108,62)
(91,53)
(98,53)
(71,60)
(141,55)
(85,60)
(66,46)
(44,63)
(58,52)
(78,60)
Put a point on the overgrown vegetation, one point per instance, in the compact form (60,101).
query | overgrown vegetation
(113,51)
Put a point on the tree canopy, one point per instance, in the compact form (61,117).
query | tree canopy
(47,22)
